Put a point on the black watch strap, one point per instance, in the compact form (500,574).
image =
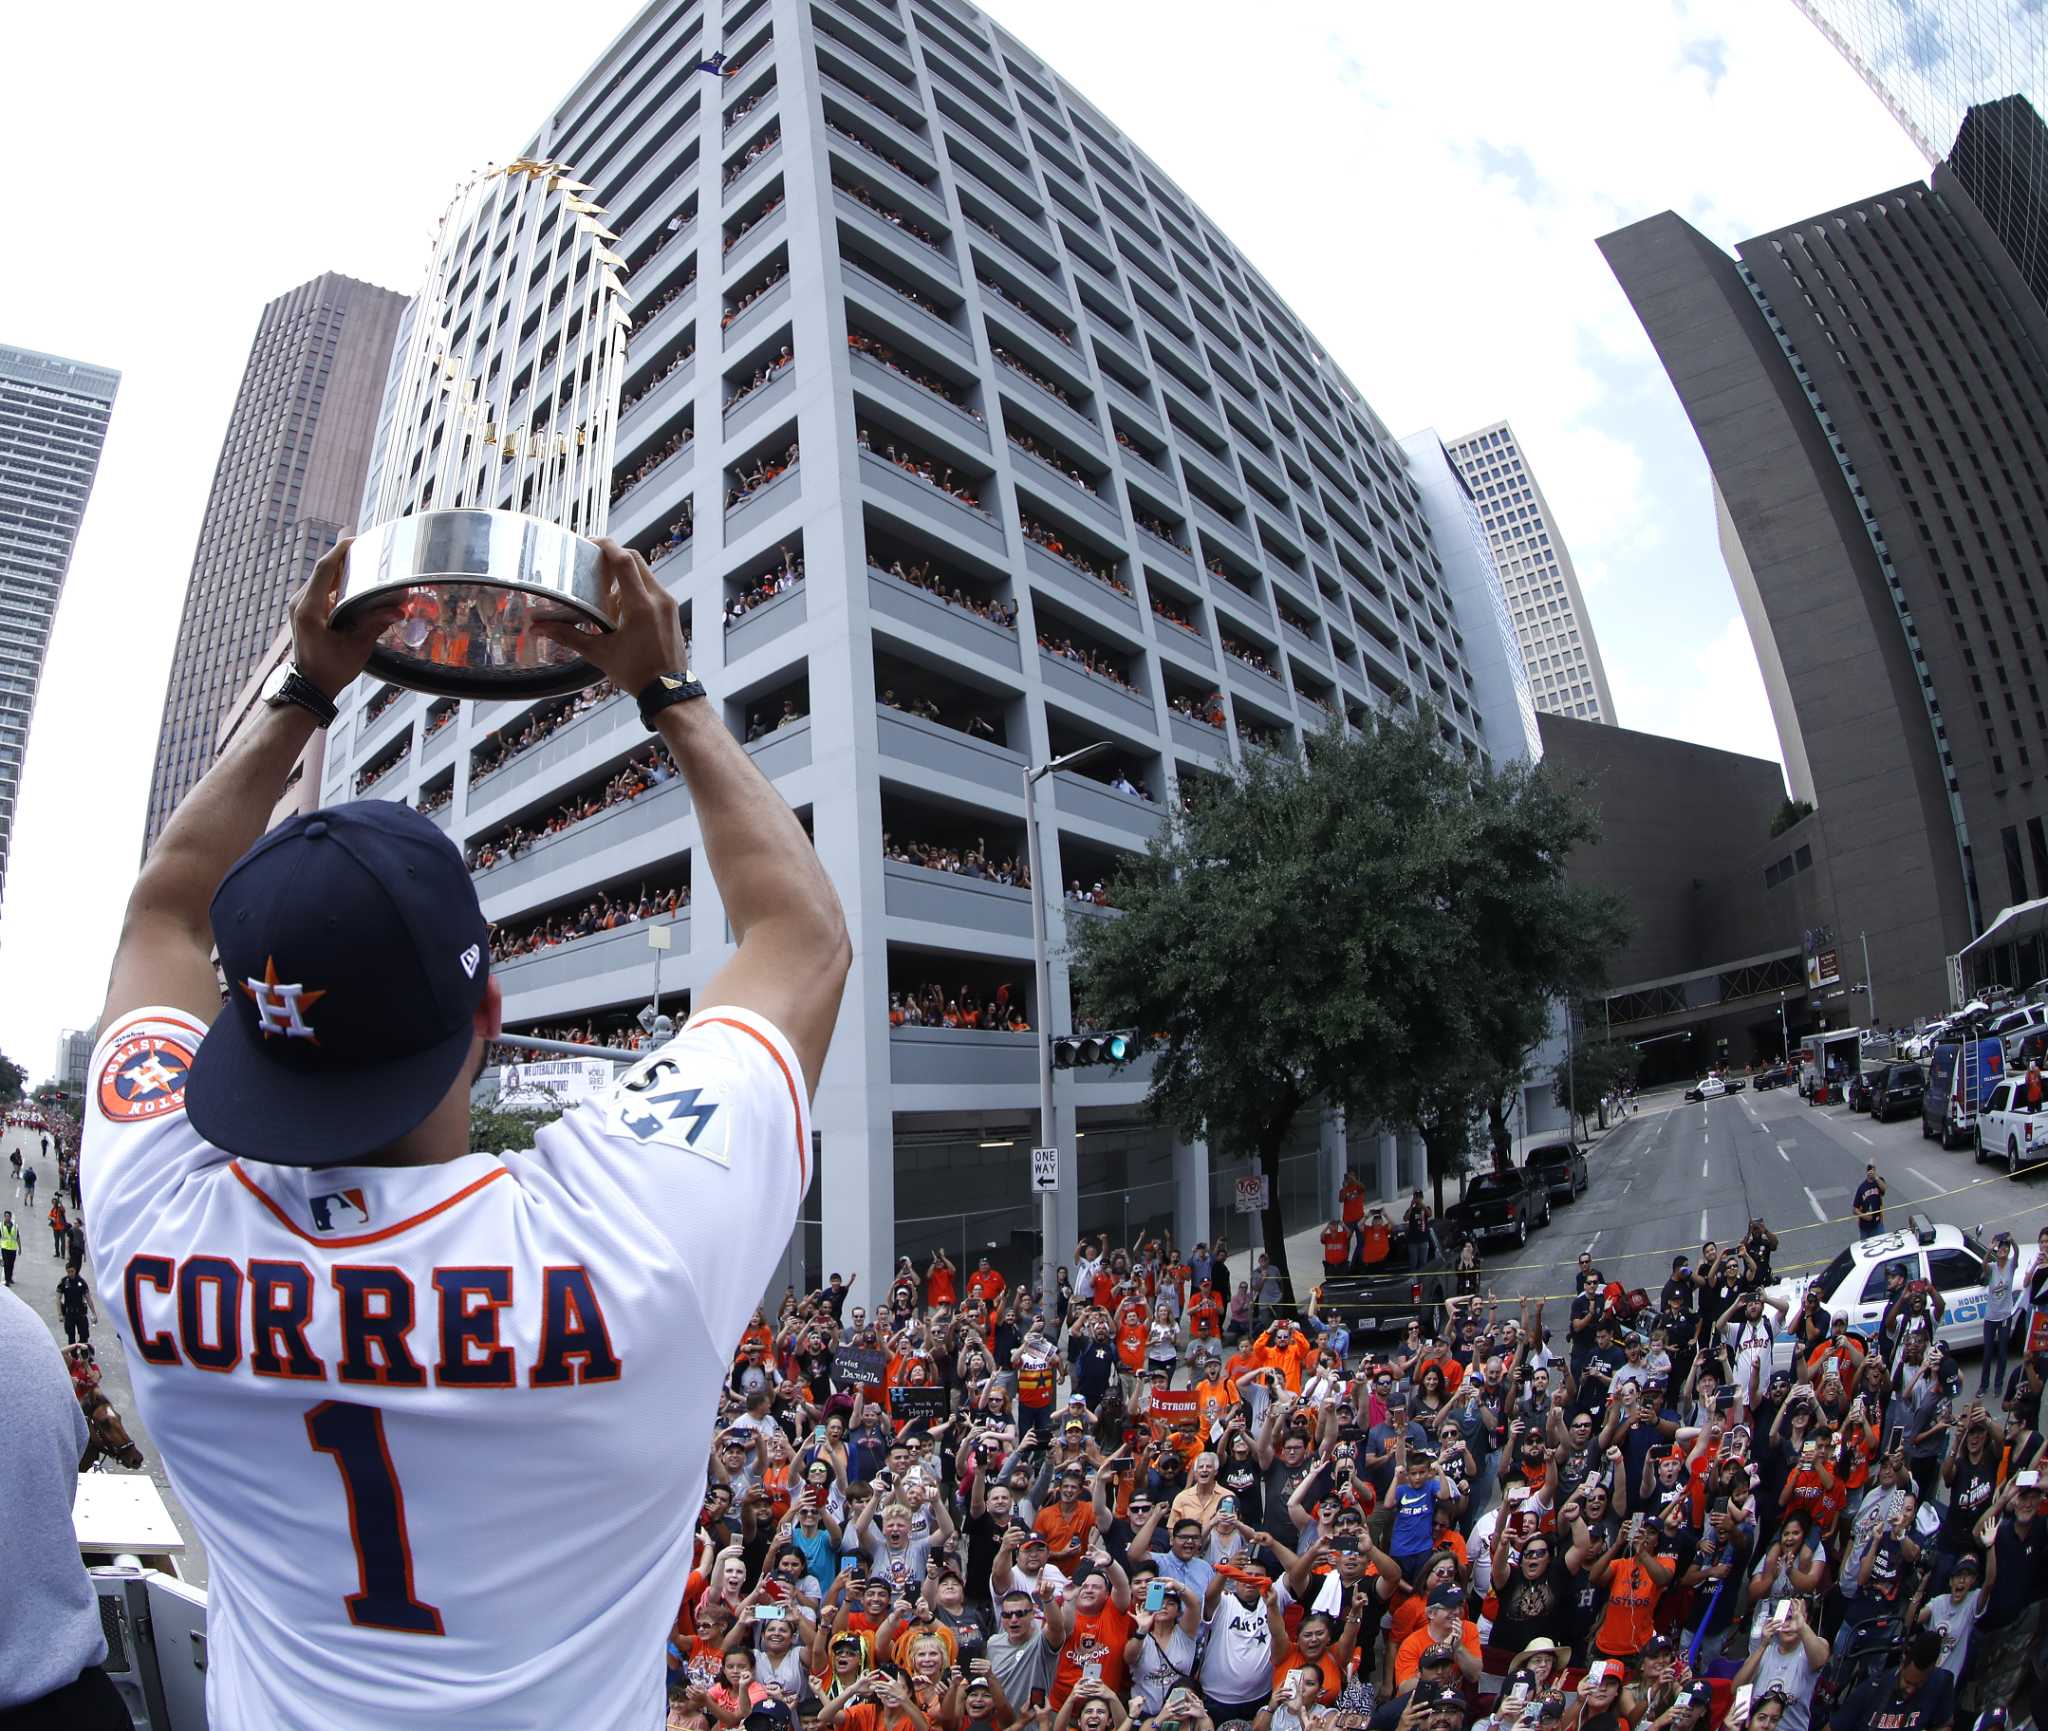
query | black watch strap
(297,688)
(665,690)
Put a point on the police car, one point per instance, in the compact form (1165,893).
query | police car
(1954,1262)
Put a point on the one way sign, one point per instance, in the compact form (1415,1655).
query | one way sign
(1045,1169)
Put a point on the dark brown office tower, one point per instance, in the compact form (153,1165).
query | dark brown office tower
(286,488)
(1870,387)
(2000,158)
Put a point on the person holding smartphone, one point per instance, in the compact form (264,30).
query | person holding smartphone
(1790,1656)
(1160,1654)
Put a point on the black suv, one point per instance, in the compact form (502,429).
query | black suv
(1562,1166)
(1897,1092)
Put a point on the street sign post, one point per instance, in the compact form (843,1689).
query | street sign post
(1252,1194)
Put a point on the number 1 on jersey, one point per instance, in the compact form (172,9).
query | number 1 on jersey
(354,1436)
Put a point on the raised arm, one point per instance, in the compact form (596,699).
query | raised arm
(793,948)
(164,955)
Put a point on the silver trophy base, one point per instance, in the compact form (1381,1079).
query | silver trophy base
(473,585)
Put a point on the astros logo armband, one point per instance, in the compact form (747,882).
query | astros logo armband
(144,1077)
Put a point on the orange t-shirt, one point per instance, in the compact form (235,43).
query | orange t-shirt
(987,1285)
(1408,1656)
(1131,1340)
(1205,1316)
(1375,1238)
(939,1288)
(1213,1400)
(1336,1244)
(1066,1530)
(1289,1360)
(1627,1624)
(1351,1203)
(1097,1634)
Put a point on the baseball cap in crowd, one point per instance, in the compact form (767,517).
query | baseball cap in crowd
(768,1716)
(1449,1598)
(1657,1647)
(355,956)
(1447,1697)
(1435,1656)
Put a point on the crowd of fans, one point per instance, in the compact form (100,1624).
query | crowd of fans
(747,107)
(763,377)
(384,699)
(748,224)
(647,768)
(922,377)
(680,223)
(1052,459)
(975,723)
(755,151)
(1169,1502)
(680,533)
(646,315)
(1095,895)
(1137,450)
(1049,386)
(437,798)
(1099,663)
(974,862)
(370,774)
(1044,535)
(739,307)
(1172,614)
(1159,529)
(676,362)
(624,1038)
(765,469)
(922,177)
(495,753)
(767,719)
(654,459)
(1030,312)
(920,575)
(896,285)
(439,718)
(603,913)
(1248,655)
(1208,710)
(893,217)
(785,576)
(939,475)
(932,1006)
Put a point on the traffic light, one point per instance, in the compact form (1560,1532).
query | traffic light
(1111,1046)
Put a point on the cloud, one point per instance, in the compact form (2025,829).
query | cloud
(1711,694)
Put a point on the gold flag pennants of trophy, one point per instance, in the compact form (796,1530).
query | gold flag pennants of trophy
(494,476)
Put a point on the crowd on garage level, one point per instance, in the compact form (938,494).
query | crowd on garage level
(1044,535)
(602,913)
(748,482)
(921,574)
(495,753)
(1171,1503)
(647,768)
(677,361)
(1208,710)
(939,475)
(1097,662)
(888,213)
(738,307)
(923,377)
(903,168)
(764,376)
(975,722)
(977,861)
(643,316)
(769,139)
(763,588)
(746,225)
(933,1006)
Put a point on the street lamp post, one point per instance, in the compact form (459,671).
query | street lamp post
(1869,991)
(1784,1038)
(1048,1210)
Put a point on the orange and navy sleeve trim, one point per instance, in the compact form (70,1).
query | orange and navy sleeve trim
(290,1225)
(803,1172)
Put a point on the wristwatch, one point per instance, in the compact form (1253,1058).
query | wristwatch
(665,690)
(287,685)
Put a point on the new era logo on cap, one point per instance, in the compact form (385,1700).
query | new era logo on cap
(469,959)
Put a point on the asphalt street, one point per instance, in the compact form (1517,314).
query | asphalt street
(1674,1175)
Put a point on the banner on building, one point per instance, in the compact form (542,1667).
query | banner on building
(1253,1194)
(1823,960)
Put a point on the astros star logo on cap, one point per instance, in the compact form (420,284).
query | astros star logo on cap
(280,1009)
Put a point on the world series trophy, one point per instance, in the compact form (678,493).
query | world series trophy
(496,474)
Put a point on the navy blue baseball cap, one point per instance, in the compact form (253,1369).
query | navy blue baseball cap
(355,955)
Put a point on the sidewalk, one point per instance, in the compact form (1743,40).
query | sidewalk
(36,1273)
(1305,1248)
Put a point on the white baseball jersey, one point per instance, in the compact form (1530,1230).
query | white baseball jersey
(443,1428)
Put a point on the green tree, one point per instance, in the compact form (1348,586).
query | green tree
(1790,813)
(1319,934)
(494,1129)
(1593,1072)
(12,1076)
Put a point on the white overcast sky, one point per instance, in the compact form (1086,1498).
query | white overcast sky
(1424,184)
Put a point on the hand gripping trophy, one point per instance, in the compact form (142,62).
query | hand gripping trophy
(494,475)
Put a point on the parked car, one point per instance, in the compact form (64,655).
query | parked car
(2009,1130)
(1858,1092)
(1734,1084)
(1501,1205)
(1897,1091)
(1383,1297)
(1777,1076)
(1853,1285)
(1562,1166)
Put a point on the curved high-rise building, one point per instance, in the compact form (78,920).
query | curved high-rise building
(53,422)
(964,438)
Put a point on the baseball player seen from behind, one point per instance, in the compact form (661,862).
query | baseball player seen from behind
(419,1401)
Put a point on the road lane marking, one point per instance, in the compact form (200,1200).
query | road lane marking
(1924,1179)
(1595,1239)
(1782,1155)
(1703,1226)
(1819,1213)
(1626,1188)
(1703,1168)
(1865,1140)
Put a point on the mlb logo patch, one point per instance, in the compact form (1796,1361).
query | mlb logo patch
(338,1210)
